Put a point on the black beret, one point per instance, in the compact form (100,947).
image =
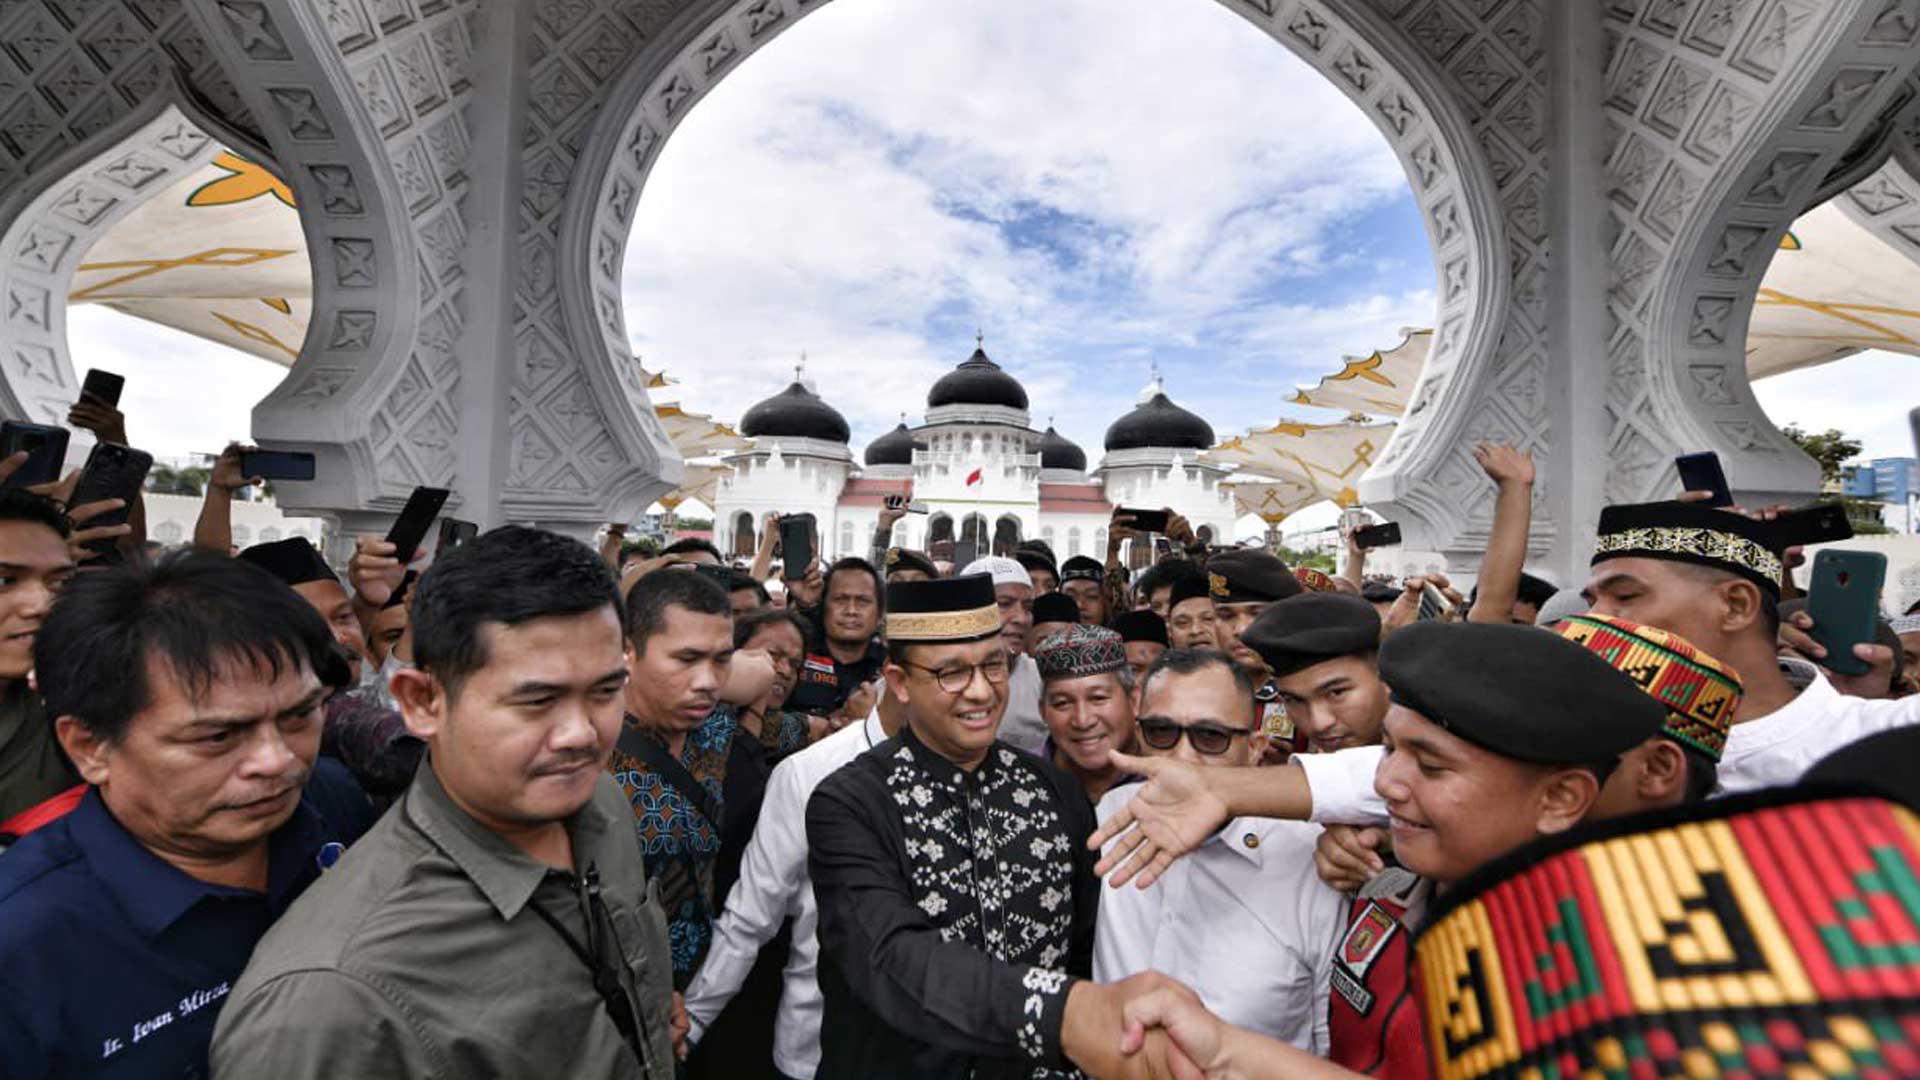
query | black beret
(1188,587)
(1055,607)
(1304,630)
(1868,763)
(942,610)
(1141,625)
(1691,533)
(1518,692)
(1250,576)
(1082,568)
(1036,547)
(909,559)
(1034,560)
(292,560)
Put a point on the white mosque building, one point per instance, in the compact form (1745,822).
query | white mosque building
(983,473)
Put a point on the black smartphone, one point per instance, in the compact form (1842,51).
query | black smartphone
(1147,521)
(1843,598)
(796,545)
(1385,534)
(1702,472)
(112,472)
(454,535)
(415,519)
(1819,523)
(104,385)
(276,464)
(46,448)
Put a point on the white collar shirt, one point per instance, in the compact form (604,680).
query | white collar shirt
(773,888)
(1779,748)
(1245,921)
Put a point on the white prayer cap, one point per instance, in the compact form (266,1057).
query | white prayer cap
(1003,571)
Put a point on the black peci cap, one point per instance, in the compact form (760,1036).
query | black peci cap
(292,560)
(1141,625)
(1518,692)
(1055,607)
(943,610)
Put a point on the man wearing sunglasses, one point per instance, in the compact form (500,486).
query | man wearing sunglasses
(1271,971)
(955,888)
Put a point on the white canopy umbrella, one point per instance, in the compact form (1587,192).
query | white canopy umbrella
(1378,384)
(1327,457)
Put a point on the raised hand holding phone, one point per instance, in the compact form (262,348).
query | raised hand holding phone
(415,519)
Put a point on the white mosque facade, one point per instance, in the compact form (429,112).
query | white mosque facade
(978,466)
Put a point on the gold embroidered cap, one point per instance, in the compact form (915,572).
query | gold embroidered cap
(942,611)
(1690,533)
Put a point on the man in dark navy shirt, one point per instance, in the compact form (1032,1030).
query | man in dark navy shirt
(189,695)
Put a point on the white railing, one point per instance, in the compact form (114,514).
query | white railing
(953,459)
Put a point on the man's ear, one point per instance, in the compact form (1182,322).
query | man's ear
(896,681)
(1565,798)
(1741,604)
(1663,773)
(89,753)
(422,700)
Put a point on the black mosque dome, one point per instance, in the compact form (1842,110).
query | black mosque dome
(896,447)
(1058,452)
(796,413)
(1160,424)
(977,381)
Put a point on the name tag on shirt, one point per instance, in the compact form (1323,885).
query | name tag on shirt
(1366,939)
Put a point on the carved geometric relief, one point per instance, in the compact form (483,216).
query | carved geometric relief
(1484,73)
(1879,195)
(1764,51)
(28,306)
(300,111)
(1633,72)
(1357,70)
(1438,31)
(353,265)
(1725,117)
(1712,27)
(1736,252)
(83,205)
(1745,435)
(134,171)
(1670,201)
(352,331)
(419,77)
(338,193)
(1896,24)
(1842,97)
(555,92)
(1525,114)
(374,84)
(1708,326)
(1710,384)
(1397,111)
(1664,16)
(763,15)
(43,248)
(254,31)
(1782,178)
(1681,89)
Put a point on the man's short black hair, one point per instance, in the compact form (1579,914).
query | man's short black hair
(743,581)
(509,575)
(687,545)
(855,564)
(1189,661)
(197,611)
(745,626)
(671,587)
(1703,773)
(18,505)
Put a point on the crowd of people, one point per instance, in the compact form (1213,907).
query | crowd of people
(528,809)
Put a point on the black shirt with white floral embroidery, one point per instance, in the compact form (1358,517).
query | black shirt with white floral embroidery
(956,911)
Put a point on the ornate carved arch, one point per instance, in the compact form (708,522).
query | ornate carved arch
(1410,97)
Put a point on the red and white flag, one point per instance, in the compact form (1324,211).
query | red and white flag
(973,477)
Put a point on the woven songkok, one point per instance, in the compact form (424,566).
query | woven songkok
(1767,936)
(1685,532)
(1079,650)
(1700,693)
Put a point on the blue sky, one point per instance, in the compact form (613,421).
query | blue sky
(1098,185)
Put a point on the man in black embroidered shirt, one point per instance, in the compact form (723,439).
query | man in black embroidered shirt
(955,888)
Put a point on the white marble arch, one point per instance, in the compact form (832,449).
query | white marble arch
(1348,41)
(50,219)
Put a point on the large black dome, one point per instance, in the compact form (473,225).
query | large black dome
(978,381)
(896,447)
(1058,452)
(796,413)
(1162,425)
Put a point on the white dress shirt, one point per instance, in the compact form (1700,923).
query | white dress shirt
(1245,921)
(1766,751)
(1022,726)
(774,887)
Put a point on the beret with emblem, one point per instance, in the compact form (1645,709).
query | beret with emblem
(1305,630)
(1141,625)
(1250,576)
(292,560)
(1055,607)
(1691,533)
(944,610)
(1518,692)
(1082,568)
(909,559)
(1077,651)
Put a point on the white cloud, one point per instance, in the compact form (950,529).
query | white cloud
(1851,395)
(1090,180)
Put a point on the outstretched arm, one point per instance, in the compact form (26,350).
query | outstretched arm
(1500,567)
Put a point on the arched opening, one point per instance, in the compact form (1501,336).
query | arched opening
(744,542)
(973,530)
(1006,535)
(939,530)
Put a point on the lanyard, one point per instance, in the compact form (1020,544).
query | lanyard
(606,979)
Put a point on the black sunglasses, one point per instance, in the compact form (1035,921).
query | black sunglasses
(1209,739)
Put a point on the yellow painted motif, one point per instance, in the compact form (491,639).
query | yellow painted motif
(245,181)
(1789,242)
(259,334)
(278,305)
(1852,314)
(145,268)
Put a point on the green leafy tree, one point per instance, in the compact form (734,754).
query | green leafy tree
(1833,449)
(1318,560)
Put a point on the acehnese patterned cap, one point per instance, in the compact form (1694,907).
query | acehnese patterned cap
(1700,693)
(1079,650)
(1689,533)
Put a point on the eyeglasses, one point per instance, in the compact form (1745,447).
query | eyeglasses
(955,680)
(1209,739)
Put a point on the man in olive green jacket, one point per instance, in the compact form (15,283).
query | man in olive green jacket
(498,921)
